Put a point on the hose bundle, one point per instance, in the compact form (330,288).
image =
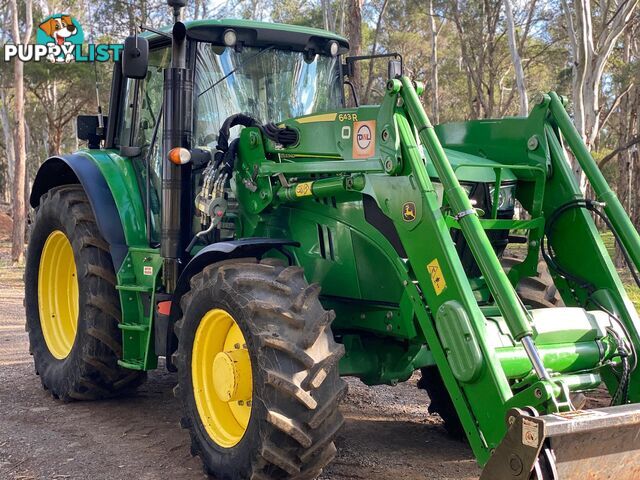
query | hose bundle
(626,348)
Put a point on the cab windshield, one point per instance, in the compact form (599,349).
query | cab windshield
(271,86)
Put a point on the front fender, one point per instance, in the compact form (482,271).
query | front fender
(247,247)
(217,252)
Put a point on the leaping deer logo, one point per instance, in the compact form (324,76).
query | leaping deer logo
(409,211)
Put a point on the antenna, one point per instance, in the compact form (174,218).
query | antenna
(100,129)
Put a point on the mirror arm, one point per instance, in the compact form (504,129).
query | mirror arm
(353,92)
(157,32)
(347,68)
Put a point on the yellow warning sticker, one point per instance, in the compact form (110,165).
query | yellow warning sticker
(437,279)
(303,189)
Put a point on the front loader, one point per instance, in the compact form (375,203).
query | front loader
(234,217)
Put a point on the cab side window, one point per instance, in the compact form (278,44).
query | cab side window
(142,114)
(143,100)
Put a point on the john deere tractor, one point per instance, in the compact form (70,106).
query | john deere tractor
(233,216)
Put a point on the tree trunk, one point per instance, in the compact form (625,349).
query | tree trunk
(327,15)
(517,63)
(19,206)
(628,130)
(354,34)
(374,49)
(10,154)
(590,51)
(55,140)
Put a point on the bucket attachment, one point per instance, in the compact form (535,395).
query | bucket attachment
(600,444)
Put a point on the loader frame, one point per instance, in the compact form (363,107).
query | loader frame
(438,306)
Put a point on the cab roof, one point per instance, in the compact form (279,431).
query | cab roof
(261,34)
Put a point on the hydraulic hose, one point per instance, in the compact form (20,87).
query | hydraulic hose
(621,394)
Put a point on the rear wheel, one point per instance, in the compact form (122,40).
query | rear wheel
(258,372)
(440,401)
(538,291)
(71,302)
(535,292)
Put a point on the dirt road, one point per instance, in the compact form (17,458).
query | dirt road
(388,432)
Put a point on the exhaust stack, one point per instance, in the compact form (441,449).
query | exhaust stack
(178,89)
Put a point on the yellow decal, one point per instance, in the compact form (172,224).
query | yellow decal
(348,117)
(364,139)
(326,117)
(303,189)
(437,279)
(530,436)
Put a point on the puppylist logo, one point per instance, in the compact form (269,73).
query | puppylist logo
(60,39)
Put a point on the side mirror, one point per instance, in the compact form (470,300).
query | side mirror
(395,69)
(135,57)
(87,128)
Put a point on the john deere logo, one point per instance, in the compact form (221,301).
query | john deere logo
(60,39)
(409,211)
(364,137)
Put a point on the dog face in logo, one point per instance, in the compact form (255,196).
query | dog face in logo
(60,29)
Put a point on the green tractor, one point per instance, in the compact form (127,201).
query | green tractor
(317,241)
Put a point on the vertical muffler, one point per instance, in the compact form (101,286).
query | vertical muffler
(597,444)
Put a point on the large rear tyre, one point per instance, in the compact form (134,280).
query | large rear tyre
(258,372)
(538,291)
(71,302)
(440,402)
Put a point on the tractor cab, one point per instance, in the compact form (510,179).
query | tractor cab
(266,72)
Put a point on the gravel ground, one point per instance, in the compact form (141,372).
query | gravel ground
(387,434)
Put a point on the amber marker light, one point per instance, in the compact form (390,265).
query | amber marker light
(179,156)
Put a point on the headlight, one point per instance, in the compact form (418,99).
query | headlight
(437,186)
(439,191)
(506,196)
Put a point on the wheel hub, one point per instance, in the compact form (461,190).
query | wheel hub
(232,369)
(222,377)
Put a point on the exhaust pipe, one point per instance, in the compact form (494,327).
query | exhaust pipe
(602,443)
(178,90)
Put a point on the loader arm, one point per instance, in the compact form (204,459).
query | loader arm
(561,436)
(502,363)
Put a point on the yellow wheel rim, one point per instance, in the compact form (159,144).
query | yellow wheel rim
(58,294)
(222,378)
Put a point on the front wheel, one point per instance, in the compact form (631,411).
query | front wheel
(258,373)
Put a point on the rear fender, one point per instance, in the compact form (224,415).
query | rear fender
(79,169)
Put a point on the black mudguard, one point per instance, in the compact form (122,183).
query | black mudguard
(247,247)
(77,169)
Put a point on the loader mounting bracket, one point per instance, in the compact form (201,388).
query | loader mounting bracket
(596,443)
